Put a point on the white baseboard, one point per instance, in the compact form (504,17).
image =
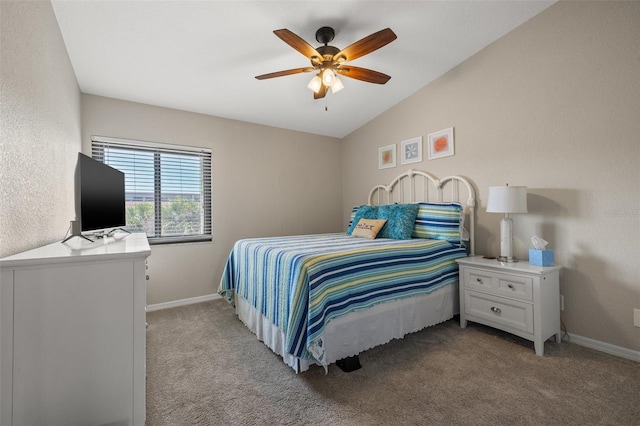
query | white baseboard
(182,302)
(578,340)
(606,347)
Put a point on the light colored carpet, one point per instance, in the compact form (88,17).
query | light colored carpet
(204,367)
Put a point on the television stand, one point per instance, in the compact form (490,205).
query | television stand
(81,236)
(109,233)
(74,228)
(75,232)
(77,235)
(113,231)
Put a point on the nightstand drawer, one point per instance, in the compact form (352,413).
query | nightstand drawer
(514,286)
(479,279)
(499,311)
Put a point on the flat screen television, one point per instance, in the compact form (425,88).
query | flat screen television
(100,199)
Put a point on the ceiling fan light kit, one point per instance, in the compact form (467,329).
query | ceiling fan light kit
(329,79)
(328,60)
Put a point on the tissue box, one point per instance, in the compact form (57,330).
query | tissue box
(541,257)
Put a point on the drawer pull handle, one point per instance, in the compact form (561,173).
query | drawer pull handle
(511,286)
(479,280)
(496,310)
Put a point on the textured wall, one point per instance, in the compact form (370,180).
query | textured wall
(553,106)
(266,181)
(40,136)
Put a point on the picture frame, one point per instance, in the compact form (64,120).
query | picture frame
(441,144)
(411,150)
(387,156)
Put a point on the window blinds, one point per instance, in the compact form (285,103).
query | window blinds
(167,187)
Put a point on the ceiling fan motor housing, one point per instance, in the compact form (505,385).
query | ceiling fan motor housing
(324,35)
(327,52)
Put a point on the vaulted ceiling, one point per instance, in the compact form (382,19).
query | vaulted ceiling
(202,56)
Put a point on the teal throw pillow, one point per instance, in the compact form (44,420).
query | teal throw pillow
(400,220)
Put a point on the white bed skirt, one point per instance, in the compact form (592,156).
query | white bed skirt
(361,330)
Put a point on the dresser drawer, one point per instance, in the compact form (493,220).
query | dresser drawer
(514,286)
(499,311)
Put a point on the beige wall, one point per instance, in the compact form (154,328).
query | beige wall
(40,134)
(266,181)
(554,106)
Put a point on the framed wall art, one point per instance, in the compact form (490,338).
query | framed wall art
(411,151)
(440,143)
(387,156)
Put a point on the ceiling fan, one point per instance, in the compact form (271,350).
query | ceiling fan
(329,60)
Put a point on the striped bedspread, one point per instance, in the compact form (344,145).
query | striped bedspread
(300,283)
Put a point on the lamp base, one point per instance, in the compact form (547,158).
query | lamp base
(506,240)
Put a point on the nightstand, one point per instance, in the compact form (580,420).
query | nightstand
(518,297)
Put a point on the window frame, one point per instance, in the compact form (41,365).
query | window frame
(99,143)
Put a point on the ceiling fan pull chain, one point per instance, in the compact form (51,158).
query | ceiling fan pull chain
(326,108)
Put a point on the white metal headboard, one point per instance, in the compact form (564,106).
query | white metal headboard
(415,185)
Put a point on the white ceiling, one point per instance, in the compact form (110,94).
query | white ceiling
(202,56)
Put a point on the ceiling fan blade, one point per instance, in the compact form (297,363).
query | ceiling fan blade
(298,43)
(366,45)
(285,72)
(321,93)
(364,74)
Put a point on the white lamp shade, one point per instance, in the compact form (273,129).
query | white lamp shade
(507,199)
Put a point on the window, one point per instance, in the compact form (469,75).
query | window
(167,187)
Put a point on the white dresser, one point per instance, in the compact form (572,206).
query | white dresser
(72,333)
(519,298)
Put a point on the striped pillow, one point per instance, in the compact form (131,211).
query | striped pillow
(353,215)
(440,221)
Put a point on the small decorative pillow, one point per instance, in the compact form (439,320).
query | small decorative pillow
(363,212)
(400,220)
(368,228)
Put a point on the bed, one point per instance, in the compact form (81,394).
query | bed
(318,299)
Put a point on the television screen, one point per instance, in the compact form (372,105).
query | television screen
(101,195)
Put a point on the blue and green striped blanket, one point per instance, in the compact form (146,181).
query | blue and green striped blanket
(300,283)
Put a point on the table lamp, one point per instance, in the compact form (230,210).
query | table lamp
(507,199)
